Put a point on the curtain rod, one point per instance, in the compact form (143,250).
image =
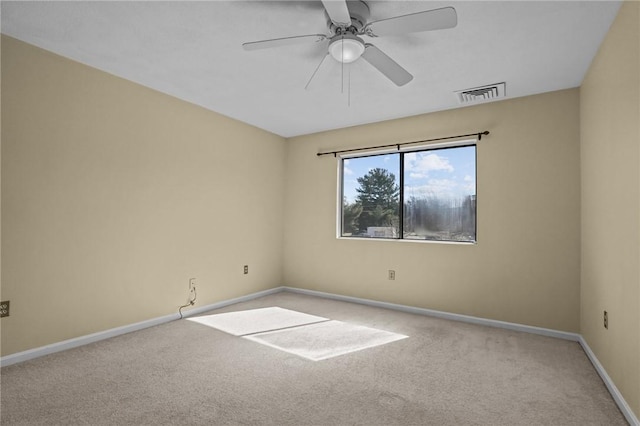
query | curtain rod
(398,145)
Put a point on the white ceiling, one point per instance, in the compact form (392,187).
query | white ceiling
(192,50)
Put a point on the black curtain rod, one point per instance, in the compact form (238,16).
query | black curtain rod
(398,145)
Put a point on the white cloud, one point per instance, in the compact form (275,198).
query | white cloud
(346,170)
(433,187)
(469,185)
(470,188)
(441,188)
(423,163)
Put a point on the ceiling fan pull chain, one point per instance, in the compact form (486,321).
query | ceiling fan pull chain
(349,87)
(342,66)
(316,71)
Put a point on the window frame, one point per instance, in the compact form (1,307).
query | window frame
(401,150)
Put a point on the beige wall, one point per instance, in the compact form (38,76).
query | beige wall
(114,195)
(610,147)
(526,265)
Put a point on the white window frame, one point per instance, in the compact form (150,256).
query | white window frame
(403,149)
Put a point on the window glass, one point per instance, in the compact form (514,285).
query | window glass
(371,196)
(433,191)
(440,194)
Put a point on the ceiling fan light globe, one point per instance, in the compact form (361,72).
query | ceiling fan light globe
(347,49)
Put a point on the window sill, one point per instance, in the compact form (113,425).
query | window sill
(408,240)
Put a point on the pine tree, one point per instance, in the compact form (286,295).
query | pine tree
(378,195)
(350,217)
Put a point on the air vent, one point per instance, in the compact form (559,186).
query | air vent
(481,94)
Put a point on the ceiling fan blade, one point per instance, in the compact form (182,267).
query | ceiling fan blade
(284,41)
(429,20)
(338,12)
(386,65)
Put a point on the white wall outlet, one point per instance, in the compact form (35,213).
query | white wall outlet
(192,291)
(392,274)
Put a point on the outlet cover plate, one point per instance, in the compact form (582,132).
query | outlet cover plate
(4,309)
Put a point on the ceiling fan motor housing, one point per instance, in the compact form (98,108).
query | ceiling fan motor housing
(359,13)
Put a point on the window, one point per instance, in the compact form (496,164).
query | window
(426,194)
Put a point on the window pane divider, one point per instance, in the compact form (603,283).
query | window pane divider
(401,199)
(453,221)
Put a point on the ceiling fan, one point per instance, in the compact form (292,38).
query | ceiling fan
(347,21)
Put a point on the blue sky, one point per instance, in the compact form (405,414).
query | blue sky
(447,173)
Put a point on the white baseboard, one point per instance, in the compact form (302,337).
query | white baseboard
(84,340)
(222,304)
(575,337)
(613,390)
(113,332)
(441,314)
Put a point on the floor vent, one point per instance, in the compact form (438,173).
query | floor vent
(480,94)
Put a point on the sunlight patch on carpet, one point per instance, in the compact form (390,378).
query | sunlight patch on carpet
(252,321)
(325,339)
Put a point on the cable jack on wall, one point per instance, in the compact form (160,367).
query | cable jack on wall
(192,296)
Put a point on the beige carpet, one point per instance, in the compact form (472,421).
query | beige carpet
(446,373)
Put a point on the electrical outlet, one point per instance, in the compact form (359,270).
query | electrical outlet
(392,274)
(606,320)
(192,290)
(4,309)
(246,269)
(191,299)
